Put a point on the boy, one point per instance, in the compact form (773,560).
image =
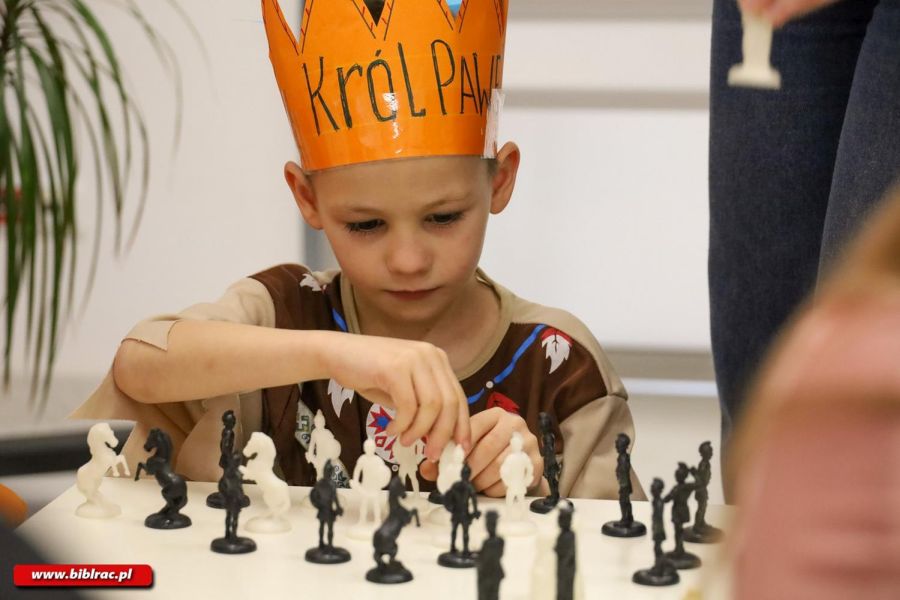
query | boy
(392,106)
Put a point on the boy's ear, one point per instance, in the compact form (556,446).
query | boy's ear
(504,179)
(304,194)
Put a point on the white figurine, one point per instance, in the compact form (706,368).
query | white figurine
(543,571)
(449,472)
(756,70)
(517,473)
(102,443)
(370,476)
(408,459)
(260,453)
(323,446)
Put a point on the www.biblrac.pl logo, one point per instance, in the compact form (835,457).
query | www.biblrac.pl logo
(83,575)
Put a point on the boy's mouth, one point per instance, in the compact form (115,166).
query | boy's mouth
(411,294)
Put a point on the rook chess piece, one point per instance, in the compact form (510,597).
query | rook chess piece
(458,500)
(226,447)
(385,538)
(260,454)
(679,495)
(625,527)
(174,489)
(551,466)
(490,567)
(102,443)
(232,490)
(662,572)
(325,499)
(702,532)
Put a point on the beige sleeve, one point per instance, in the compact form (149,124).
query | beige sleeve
(589,452)
(194,426)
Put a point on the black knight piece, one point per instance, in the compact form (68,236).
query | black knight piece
(566,559)
(490,567)
(174,489)
(324,498)
(226,447)
(663,572)
(232,490)
(626,527)
(551,466)
(457,500)
(702,532)
(679,495)
(385,538)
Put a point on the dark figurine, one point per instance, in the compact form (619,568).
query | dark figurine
(226,446)
(702,532)
(435,497)
(232,490)
(490,567)
(626,527)
(551,466)
(385,538)
(681,514)
(457,500)
(566,558)
(174,489)
(325,499)
(663,572)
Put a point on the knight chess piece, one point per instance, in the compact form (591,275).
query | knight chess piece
(663,572)
(232,490)
(384,540)
(702,532)
(626,527)
(260,454)
(173,487)
(679,495)
(462,503)
(552,467)
(102,443)
(226,447)
(324,498)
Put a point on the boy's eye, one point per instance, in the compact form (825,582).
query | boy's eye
(445,218)
(364,226)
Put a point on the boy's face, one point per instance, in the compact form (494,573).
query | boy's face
(407,233)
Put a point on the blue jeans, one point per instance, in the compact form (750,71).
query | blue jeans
(793,172)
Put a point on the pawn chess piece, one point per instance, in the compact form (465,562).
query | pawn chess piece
(662,572)
(461,500)
(324,498)
(566,557)
(174,489)
(370,476)
(679,495)
(260,454)
(226,447)
(102,443)
(702,532)
(755,70)
(490,566)
(385,538)
(232,490)
(551,466)
(517,473)
(625,527)
(408,459)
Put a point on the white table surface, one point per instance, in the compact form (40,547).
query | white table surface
(185,567)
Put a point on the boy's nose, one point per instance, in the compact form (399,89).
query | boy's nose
(408,257)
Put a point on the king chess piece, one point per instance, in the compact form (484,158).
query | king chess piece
(324,498)
(173,487)
(552,467)
(490,566)
(626,527)
(226,447)
(702,532)
(679,495)
(385,537)
(663,572)
(462,503)
(232,490)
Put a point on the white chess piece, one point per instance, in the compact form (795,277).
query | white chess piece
(260,452)
(543,570)
(408,459)
(450,467)
(755,71)
(516,472)
(323,446)
(102,443)
(370,476)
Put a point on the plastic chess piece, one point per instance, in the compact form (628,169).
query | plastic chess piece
(231,486)
(551,466)
(517,473)
(260,454)
(679,495)
(626,527)
(324,498)
(370,476)
(174,489)
(385,537)
(408,459)
(102,443)
(662,572)
(226,447)
(461,500)
(756,70)
(543,569)
(323,446)
(702,532)
(490,566)
(449,468)
(566,558)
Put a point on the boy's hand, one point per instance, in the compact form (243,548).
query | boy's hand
(491,432)
(413,378)
(778,12)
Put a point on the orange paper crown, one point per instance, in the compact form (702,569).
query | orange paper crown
(378,79)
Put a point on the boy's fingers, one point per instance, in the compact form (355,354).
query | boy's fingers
(428,409)
(490,475)
(498,490)
(403,398)
(489,448)
(442,429)
(481,423)
(429,470)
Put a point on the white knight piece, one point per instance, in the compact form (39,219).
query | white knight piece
(102,443)
(260,453)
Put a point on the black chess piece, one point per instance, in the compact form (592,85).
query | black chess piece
(663,572)
(566,560)
(457,500)
(490,567)
(702,532)
(385,537)
(174,489)
(226,446)
(324,498)
(435,497)
(679,495)
(626,527)
(231,486)
(551,466)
